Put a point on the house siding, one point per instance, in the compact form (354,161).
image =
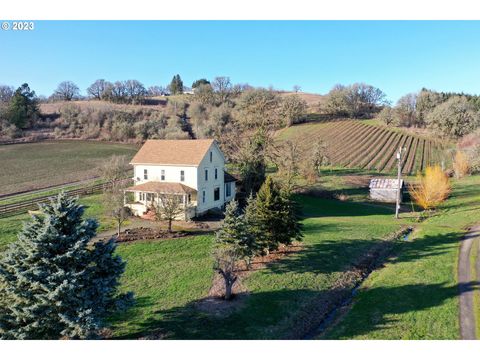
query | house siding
(218,162)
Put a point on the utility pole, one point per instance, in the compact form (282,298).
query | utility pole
(399,177)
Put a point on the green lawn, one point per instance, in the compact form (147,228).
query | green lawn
(37,165)
(11,225)
(415,296)
(168,277)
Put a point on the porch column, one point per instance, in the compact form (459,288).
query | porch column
(124,198)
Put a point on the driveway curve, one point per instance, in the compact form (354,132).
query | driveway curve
(466,288)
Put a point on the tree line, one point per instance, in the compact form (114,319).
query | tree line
(451,114)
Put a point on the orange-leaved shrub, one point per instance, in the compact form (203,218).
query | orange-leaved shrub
(461,165)
(431,188)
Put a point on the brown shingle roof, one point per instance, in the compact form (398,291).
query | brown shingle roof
(172,152)
(162,188)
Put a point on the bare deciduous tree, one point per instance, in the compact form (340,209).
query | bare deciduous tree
(67,91)
(223,87)
(297,88)
(293,109)
(135,91)
(168,208)
(406,110)
(226,257)
(6,93)
(156,90)
(115,169)
(113,201)
(98,88)
(287,157)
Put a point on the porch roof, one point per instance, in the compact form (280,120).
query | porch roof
(162,187)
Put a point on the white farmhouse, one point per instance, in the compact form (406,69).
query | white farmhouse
(193,170)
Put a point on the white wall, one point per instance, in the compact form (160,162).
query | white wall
(218,162)
(172,174)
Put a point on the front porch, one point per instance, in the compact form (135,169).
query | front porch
(148,197)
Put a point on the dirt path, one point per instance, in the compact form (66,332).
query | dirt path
(467,311)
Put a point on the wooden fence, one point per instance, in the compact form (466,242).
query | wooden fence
(32,204)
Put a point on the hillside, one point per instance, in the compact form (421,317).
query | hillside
(356,144)
(311,99)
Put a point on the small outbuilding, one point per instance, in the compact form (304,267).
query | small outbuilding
(385,190)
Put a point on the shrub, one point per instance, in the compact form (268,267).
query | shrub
(388,116)
(455,117)
(461,164)
(431,189)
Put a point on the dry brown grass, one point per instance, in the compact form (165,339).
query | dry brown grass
(157,103)
(312,99)
(431,189)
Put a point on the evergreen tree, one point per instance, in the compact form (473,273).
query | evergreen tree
(176,85)
(23,107)
(234,231)
(292,221)
(200,82)
(253,225)
(277,220)
(54,282)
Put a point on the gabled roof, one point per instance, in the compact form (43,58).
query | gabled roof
(162,188)
(172,152)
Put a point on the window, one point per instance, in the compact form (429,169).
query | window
(216,194)
(162,175)
(216,173)
(182,175)
(228,189)
(203,196)
(206,174)
(145,174)
(211,156)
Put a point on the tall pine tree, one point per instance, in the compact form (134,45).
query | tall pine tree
(54,282)
(176,85)
(276,217)
(234,231)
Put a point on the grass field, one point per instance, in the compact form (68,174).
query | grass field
(361,145)
(11,225)
(38,165)
(168,277)
(416,295)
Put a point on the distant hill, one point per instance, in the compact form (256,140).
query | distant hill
(312,99)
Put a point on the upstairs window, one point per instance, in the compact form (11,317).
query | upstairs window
(216,194)
(216,174)
(206,174)
(162,175)
(182,175)
(203,196)
(145,174)
(211,156)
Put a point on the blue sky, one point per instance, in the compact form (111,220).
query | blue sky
(398,57)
